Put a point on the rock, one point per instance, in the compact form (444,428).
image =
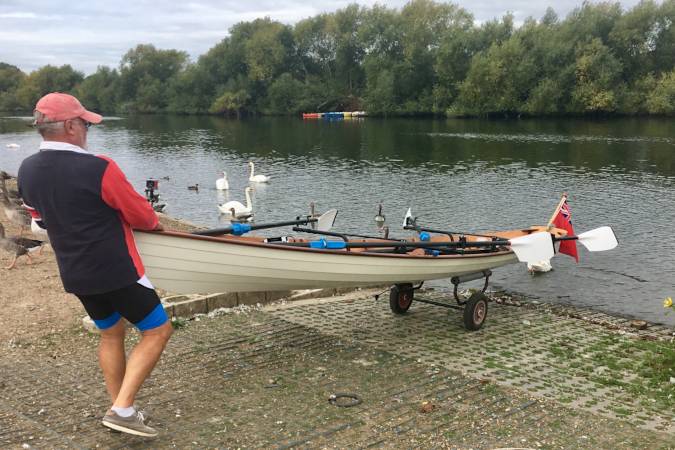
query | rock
(639,324)
(427,407)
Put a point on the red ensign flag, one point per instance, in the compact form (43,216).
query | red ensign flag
(563,220)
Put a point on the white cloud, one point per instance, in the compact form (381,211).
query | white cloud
(18,15)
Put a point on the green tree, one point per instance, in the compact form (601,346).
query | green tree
(591,21)
(45,80)
(381,37)
(662,99)
(99,91)
(425,24)
(191,91)
(267,50)
(453,60)
(633,98)
(145,75)
(10,78)
(544,98)
(499,80)
(315,47)
(286,95)
(231,103)
(633,39)
(664,37)
(597,74)
(344,26)
(494,32)
(381,98)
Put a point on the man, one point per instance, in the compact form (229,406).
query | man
(89,209)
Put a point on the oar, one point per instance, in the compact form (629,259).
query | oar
(410,223)
(528,248)
(431,230)
(596,240)
(323,223)
(337,234)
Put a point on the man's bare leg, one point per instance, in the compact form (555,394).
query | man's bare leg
(142,360)
(112,358)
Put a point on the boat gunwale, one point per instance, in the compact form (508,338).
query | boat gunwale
(233,240)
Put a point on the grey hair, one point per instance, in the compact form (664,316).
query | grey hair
(45,125)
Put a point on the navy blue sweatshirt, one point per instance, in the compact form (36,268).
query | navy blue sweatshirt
(89,209)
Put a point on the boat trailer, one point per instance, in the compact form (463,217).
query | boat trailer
(475,307)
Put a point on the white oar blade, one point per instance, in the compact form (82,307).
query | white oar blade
(408,216)
(599,239)
(327,219)
(533,247)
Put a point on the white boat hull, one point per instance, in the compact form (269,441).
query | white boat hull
(183,264)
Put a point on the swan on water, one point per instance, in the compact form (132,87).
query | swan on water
(235,209)
(257,178)
(222,184)
(13,146)
(539,266)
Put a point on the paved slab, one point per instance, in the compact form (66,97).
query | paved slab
(540,350)
(262,379)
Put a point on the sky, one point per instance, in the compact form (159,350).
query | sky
(89,34)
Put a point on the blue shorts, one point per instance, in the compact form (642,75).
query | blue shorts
(136,303)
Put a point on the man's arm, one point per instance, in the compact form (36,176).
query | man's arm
(35,215)
(119,194)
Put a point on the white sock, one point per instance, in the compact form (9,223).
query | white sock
(124,412)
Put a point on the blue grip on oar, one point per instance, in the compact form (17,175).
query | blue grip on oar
(240,228)
(332,245)
(424,236)
(432,252)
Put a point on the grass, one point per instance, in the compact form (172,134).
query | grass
(178,322)
(639,367)
(621,411)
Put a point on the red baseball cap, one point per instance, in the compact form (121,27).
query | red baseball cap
(58,106)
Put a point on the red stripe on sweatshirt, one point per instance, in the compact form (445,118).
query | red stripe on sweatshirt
(134,210)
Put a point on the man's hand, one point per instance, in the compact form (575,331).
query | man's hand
(159,227)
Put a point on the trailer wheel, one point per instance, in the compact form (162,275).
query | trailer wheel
(400,298)
(475,311)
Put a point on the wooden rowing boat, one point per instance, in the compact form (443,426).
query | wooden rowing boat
(186,263)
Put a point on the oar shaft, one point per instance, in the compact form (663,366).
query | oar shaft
(243,228)
(566,238)
(432,230)
(339,244)
(337,234)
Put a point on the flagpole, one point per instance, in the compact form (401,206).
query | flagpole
(557,209)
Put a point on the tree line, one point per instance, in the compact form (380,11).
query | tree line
(426,58)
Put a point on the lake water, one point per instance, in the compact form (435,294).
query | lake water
(466,175)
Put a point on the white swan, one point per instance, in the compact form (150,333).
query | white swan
(236,209)
(222,184)
(539,266)
(257,178)
(13,146)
